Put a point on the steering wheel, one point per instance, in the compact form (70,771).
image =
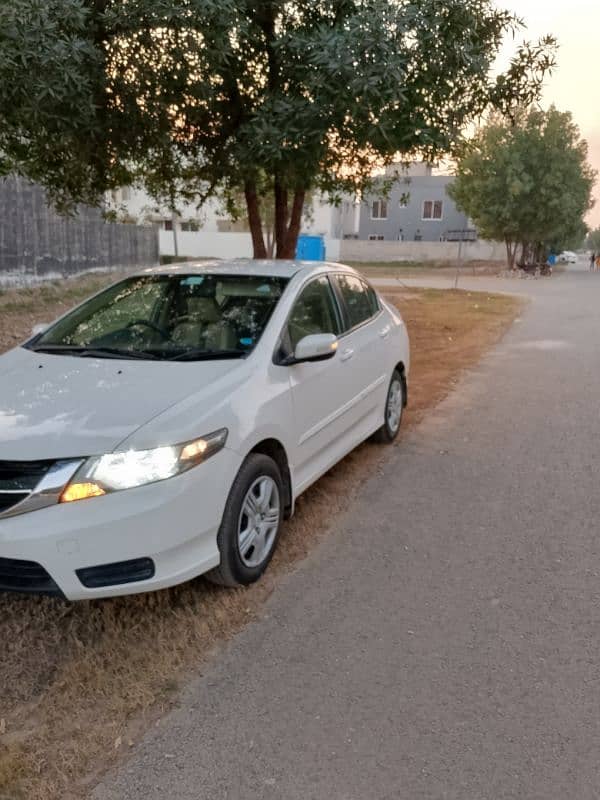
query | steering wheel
(149,324)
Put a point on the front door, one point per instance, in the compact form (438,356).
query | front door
(317,393)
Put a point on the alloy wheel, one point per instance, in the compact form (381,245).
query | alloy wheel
(395,405)
(259,521)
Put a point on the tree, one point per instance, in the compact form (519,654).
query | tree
(200,97)
(593,241)
(527,182)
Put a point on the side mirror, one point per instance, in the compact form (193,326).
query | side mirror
(42,327)
(317,347)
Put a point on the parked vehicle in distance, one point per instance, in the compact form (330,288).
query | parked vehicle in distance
(165,427)
(568,257)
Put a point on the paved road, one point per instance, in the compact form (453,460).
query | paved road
(445,641)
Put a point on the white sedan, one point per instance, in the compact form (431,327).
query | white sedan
(568,257)
(165,427)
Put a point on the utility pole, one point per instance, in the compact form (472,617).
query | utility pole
(459,262)
(175,242)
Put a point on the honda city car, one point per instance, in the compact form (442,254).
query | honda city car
(165,427)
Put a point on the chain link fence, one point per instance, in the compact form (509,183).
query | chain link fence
(36,242)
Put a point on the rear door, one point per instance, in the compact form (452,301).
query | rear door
(361,353)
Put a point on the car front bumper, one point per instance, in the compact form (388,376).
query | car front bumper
(173,523)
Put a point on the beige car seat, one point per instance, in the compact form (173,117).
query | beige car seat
(203,327)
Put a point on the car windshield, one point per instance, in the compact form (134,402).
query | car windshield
(175,317)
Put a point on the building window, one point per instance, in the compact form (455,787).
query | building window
(376,237)
(191,225)
(433,209)
(379,209)
(168,224)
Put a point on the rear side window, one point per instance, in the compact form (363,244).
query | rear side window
(373,301)
(360,300)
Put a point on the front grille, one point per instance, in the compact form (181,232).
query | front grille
(22,475)
(140,569)
(25,576)
(18,479)
(11,499)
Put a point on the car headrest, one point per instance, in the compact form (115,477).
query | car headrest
(204,307)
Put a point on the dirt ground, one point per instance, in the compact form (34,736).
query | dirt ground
(416,269)
(79,683)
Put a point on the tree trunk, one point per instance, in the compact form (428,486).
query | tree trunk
(511,252)
(290,242)
(254,220)
(284,239)
(540,254)
(281,215)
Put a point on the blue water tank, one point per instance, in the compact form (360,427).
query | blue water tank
(310,248)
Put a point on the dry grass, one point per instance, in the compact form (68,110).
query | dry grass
(431,269)
(79,682)
(21,309)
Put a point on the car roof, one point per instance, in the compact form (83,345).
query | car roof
(258,268)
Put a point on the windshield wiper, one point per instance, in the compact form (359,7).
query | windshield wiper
(208,355)
(54,348)
(94,352)
(114,352)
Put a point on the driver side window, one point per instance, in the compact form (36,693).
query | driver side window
(315,311)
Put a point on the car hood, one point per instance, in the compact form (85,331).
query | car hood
(55,406)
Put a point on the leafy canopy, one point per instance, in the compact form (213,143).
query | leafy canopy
(527,182)
(196,97)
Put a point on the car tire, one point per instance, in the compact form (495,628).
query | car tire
(251,523)
(393,411)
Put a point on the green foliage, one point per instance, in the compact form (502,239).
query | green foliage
(195,97)
(527,182)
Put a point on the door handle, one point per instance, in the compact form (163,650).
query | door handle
(347,355)
(385,332)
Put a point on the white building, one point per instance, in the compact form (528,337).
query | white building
(208,232)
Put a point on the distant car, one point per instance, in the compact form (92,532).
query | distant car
(165,427)
(568,257)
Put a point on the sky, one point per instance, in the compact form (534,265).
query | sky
(575,83)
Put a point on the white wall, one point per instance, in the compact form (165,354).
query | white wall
(332,249)
(361,250)
(204,244)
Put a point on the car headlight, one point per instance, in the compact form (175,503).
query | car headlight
(112,472)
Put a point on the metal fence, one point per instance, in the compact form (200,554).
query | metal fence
(36,241)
